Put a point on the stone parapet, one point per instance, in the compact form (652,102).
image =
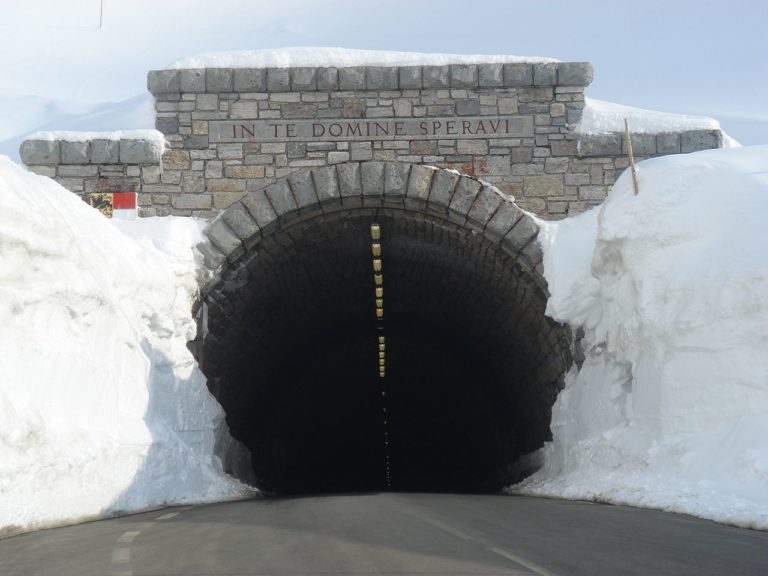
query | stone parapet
(98,165)
(309,79)
(647,144)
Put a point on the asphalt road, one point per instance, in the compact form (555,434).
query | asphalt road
(391,534)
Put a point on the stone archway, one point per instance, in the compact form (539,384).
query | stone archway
(474,365)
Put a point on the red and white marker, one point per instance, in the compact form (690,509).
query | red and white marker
(124,205)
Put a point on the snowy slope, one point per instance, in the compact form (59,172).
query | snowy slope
(671,289)
(102,407)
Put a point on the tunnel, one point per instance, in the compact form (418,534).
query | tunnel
(442,385)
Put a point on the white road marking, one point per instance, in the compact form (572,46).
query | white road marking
(128,537)
(167,516)
(522,561)
(121,555)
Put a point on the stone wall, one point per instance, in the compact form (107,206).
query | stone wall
(97,165)
(232,131)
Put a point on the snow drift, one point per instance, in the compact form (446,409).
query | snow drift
(102,406)
(670,288)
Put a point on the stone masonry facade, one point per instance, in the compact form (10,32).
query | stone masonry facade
(233,131)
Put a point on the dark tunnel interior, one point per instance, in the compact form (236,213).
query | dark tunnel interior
(472,364)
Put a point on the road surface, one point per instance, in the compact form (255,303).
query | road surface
(426,534)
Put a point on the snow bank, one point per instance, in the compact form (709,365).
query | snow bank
(102,406)
(337,57)
(671,289)
(600,117)
(154,136)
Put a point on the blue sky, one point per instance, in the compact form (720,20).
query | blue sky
(693,57)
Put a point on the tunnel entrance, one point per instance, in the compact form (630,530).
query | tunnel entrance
(472,363)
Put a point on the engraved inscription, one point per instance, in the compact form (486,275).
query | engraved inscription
(364,129)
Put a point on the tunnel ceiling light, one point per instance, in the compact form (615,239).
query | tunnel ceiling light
(377,264)
(381,339)
(379,302)
(381,355)
(376,249)
(378,279)
(379,292)
(382,347)
(379,312)
(375,231)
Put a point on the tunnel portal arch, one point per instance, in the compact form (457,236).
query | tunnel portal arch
(289,346)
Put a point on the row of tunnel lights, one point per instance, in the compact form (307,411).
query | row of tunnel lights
(378,281)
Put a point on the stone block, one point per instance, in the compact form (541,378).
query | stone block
(420,182)
(464,196)
(167,125)
(642,144)
(518,74)
(472,147)
(545,74)
(468,107)
(196,142)
(105,151)
(303,188)
(349,179)
(382,78)
(492,166)
(486,203)
(443,185)
(544,185)
(395,179)
(423,147)
(372,178)
(600,145)
(207,102)
(490,75)
(360,151)
(225,185)
(138,152)
(403,108)
(668,143)
(464,75)
(244,171)
(278,79)
(505,217)
(192,80)
(694,140)
(326,183)
(176,160)
(352,78)
(298,110)
(163,81)
(304,79)
(353,108)
(191,202)
(563,147)
(74,152)
(78,171)
(410,77)
(281,197)
(574,73)
(327,79)
(223,237)
(521,233)
(240,221)
(507,106)
(223,200)
(260,208)
(336,157)
(436,76)
(219,80)
(40,152)
(250,80)
(244,109)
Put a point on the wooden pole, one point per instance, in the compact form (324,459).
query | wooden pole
(631,157)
